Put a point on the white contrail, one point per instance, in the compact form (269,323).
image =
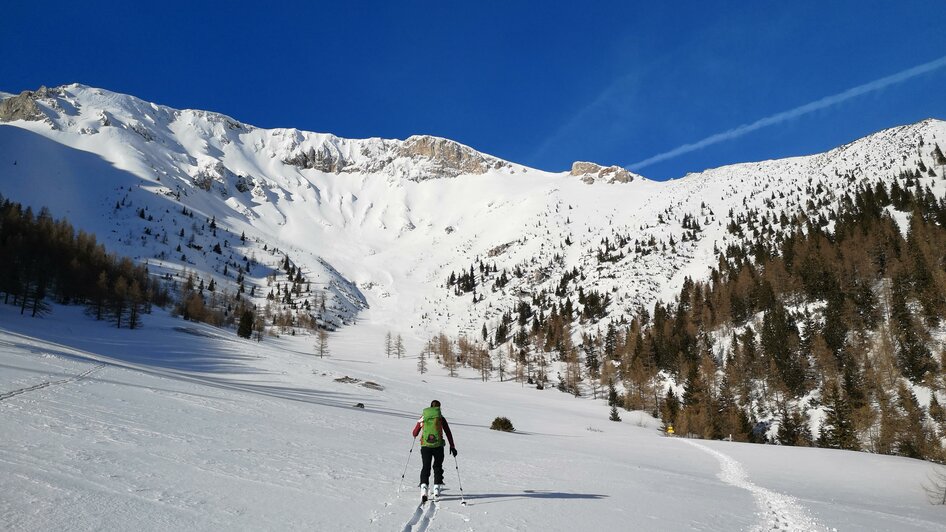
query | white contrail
(827,101)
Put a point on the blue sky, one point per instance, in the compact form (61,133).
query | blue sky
(543,83)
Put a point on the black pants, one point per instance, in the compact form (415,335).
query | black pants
(436,453)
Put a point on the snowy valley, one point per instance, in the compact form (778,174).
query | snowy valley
(181,425)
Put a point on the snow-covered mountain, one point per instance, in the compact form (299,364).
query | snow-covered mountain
(381,224)
(181,425)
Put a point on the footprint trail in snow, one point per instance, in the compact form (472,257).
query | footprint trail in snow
(779,512)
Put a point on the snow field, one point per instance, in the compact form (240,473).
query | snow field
(226,433)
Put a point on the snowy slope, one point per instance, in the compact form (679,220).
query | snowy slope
(384,222)
(179,426)
(183,426)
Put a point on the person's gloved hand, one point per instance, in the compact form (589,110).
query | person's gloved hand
(453,451)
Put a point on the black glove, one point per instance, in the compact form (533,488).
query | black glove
(453,451)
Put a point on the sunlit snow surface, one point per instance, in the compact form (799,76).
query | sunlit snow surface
(180,426)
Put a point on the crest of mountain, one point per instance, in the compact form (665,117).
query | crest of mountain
(383,223)
(23,107)
(417,158)
(592,173)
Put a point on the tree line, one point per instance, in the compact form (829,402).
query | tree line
(45,259)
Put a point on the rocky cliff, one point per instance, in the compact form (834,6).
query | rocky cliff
(591,173)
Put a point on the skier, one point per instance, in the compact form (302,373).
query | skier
(432,426)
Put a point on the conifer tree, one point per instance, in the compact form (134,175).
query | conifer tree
(694,416)
(447,354)
(835,328)
(245,328)
(422,358)
(612,393)
(321,343)
(670,409)
(135,301)
(913,357)
(399,346)
(614,414)
(779,337)
(119,300)
(502,361)
(793,428)
(259,325)
(913,438)
(837,429)
(729,421)
(938,414)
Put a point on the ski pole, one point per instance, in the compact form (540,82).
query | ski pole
(399,486)
(459,482)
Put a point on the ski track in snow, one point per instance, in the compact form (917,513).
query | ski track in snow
(422,517)
(47,384)
(779,512)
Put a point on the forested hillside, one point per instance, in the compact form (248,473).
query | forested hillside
(841,318)
(837,318)
(45,259)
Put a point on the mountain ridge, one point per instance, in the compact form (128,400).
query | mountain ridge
(395,221)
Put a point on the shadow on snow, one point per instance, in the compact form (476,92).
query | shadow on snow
(490,498)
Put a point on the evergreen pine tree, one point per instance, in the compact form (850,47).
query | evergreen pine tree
(728,419)
(913,357)
(422,359)
(793,428)
(670,408)
(612,393)
(245,328)
(938,413)
(913,438)
(614,414)
(778,337)
(837,429)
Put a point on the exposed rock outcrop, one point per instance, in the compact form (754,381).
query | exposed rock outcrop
(591,172)
(210,171)
(324,160)
(23,106)
(449,158)
(418,158)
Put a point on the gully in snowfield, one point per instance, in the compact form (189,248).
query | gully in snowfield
(432,426)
